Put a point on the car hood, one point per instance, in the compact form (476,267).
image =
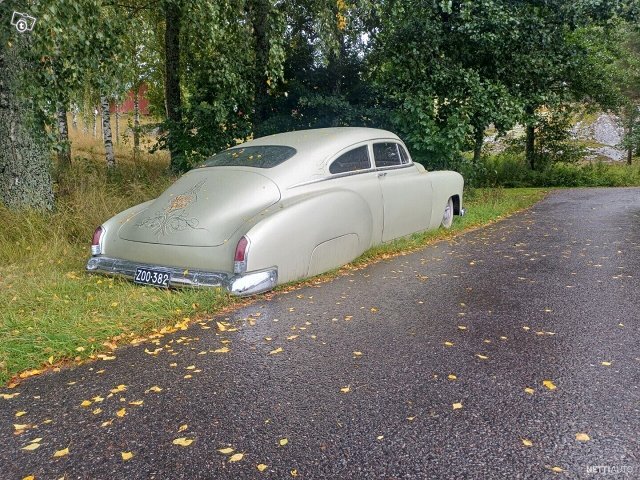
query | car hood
(203,208)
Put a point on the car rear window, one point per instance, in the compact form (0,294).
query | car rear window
(266,156)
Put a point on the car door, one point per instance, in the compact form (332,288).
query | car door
(406,191)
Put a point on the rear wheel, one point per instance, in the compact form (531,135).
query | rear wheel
(447,216)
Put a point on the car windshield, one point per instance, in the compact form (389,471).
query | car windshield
(260,157)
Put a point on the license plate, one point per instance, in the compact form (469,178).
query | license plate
(149,276)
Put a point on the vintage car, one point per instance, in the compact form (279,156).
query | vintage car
(276,209)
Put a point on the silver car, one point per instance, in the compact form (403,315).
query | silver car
(277,209)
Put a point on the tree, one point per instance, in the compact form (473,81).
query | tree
(25,179)
(173,12)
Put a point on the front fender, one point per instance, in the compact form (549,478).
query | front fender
(311,234)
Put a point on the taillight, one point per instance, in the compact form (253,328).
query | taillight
(96,241)
(240,258)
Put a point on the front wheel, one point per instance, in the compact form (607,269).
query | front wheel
(447,216)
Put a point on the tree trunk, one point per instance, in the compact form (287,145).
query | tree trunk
(74,117)
(25,176)
(259,14)
(117,123)
(64,144)
(106,132)
(136,123)
(530,145)
(173,100)
(95,122)
(477,145)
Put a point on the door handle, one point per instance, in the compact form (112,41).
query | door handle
(382,174)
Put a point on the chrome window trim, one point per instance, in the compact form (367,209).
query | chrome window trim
(350,174)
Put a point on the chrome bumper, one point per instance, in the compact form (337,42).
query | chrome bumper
(248,283)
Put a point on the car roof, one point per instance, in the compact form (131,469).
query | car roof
(323,142)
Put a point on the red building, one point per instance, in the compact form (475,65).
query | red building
(127,105)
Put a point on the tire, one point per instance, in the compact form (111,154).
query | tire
(447,216)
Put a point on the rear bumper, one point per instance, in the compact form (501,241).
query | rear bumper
(248,283)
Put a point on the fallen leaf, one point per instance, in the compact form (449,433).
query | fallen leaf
(183,442)
(36,440)
(451,376)
(261,467)
(137,403)
(20,426)
(222,350)
(221,327)
(107,423)
(226,451)
(481,357)
(277,350)
(456,406)
(155,389)
(8,396)
(346,389)
(411,419)
(529,390)
(97,411)
(126,455)
(29,477)
(549,384)
(606,364)
(526,442)
(61,453)
(85,403)
(292,337)
(183,428)
(357,354)
(557,469)
(294,473)
(582,437)
(236,457)
(20,413)
(283,441)
(448,344)
(31,446)
(118,389)
(122,412)
(379,437)
(462,327)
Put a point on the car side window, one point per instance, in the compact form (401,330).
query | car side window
(404,156)
(356,159)
(386,154)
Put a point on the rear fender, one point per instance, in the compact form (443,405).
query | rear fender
(336,225)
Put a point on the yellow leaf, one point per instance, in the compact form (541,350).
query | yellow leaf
(481,357)
(374,309)
(582,437)
(277,350)
(529,390)
(549,384)
(236,457)
(85,403)
(80,349)
(456,406)
(29,477)
(226,451)
(126,455)
(183,442)
(261,467)
(191,367)
(36,440)
(183,428)
(526,442)
(122,412)
(50,359)
(379,437)
(606,364)
(357,354)
(462,327)
(97,411)
(31,446)
(557,469)
(448,344)
(221,327)
(137,403)
(188,376)
(346,389)
(118,389)
(411,419)
(8,396)
(97,399)
(155,389)
(283,441)
(526,328)
(292,337)
(294,473)
(451,376)
(20,413)
(20,426)
(107,423)
(61,453)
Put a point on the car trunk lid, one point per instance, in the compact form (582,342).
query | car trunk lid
(203,208)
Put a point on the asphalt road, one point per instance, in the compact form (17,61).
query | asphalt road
(361,388)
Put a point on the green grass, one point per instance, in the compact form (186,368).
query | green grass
(53,312)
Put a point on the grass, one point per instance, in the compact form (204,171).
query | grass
(53,312)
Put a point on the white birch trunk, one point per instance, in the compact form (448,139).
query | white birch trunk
(64,152)
(95,122)
(106,132)
(117,123)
